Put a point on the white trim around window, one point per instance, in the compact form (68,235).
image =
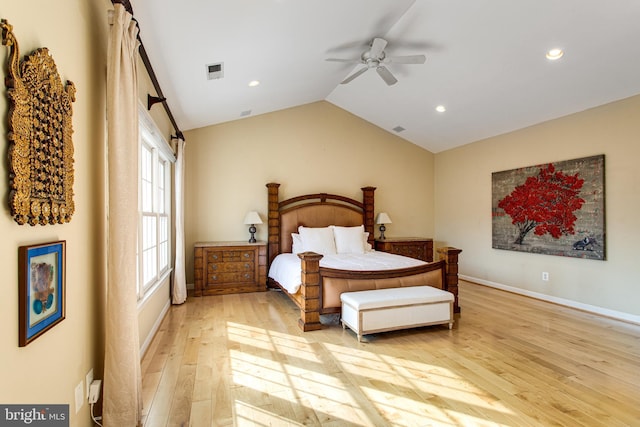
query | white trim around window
(154,207)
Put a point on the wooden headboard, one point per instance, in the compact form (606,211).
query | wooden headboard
(315,210)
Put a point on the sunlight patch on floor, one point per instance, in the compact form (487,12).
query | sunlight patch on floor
(271,341)
(289,376)
(249,415)
(406,411)
(422,379)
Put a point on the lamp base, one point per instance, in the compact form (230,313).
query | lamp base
(252,230)
(382,230)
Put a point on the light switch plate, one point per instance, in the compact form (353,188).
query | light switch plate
(79,396)
(88,380)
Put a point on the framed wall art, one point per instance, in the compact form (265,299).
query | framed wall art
(41,282)
(554,208)
(40,151)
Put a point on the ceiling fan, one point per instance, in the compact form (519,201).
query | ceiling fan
(376,57)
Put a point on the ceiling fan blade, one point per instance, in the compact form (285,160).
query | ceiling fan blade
(377,46)
(353,61)
(386,75)
(409,59)
(354,75)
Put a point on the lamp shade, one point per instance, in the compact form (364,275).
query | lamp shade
(252,217)
(383,218)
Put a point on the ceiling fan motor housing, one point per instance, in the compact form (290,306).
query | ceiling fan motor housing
(372,61)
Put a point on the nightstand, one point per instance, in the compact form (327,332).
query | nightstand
(414,247)
(229,267)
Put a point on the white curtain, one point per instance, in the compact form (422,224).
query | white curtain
(122,403)
(179,291)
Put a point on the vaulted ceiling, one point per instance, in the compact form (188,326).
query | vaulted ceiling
(485,60)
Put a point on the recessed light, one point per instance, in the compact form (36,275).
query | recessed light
(254,83)
(554,54)
(441,109)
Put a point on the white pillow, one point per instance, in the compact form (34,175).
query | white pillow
(319,240)
(296,244)
(365,242)
(349,240)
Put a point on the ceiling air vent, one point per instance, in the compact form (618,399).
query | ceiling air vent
(215,71)
(398,129)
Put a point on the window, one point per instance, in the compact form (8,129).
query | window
(154,236)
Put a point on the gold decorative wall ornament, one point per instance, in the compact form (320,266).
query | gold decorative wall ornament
(40,145)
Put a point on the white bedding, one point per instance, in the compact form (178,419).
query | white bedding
(285,268)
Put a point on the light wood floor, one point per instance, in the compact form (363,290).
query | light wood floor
(510,361)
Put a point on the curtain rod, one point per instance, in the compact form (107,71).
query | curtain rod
(152,74)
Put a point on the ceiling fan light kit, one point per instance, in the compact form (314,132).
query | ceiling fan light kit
(376,57)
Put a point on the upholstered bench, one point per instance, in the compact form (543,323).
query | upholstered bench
(390,309)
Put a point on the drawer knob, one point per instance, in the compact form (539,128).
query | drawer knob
(247,265)
(246,255)
(247,275)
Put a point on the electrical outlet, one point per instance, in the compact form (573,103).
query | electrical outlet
(545,276)
(94,391)
(79,396)
(88,380)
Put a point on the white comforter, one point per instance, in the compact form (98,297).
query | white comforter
(285,268)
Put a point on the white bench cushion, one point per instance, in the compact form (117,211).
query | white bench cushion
(394,297)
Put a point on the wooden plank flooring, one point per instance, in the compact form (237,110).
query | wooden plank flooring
(240,360)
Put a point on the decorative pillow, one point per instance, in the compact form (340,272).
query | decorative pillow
(319,240)
(365,242)
(349,240)
(296,246)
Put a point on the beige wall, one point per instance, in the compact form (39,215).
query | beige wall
(48,369)
(312,148)
(463,206)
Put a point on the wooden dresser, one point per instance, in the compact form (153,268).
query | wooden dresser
(414,247)
(229,267)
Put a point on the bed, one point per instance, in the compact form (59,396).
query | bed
(320,287)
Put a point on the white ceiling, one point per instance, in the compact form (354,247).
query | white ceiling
(485,60)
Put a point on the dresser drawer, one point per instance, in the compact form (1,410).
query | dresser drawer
(230,256)
(234,277)
(235,256)
(410,250)
(413,247)
(225,267)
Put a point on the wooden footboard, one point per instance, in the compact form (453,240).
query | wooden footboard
(309,297)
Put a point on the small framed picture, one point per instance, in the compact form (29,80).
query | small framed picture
(41,281)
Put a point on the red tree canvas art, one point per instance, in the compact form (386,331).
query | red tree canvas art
(544,203)
(562,203)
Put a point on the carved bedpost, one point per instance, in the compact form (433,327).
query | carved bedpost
(369,211)
(273,220)
(450,257)
(310,291)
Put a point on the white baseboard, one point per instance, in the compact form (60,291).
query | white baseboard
(156,325)
(618,315)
